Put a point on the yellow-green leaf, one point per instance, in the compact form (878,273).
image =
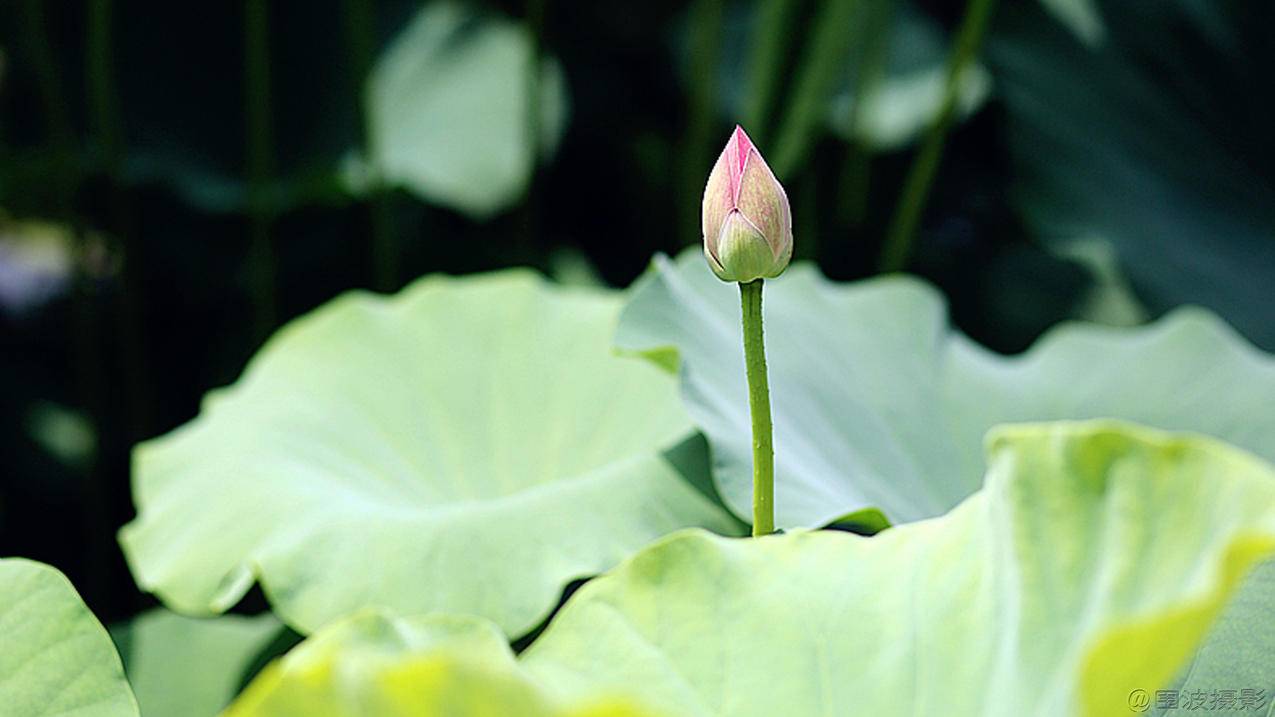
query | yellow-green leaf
(1090,565)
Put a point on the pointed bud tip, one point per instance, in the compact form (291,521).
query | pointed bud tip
(742,143)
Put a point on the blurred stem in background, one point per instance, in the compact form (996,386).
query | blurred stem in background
(261,260)
(535,18)
(99,68)
(360,25)
(107,130)
(88,362)
(852,204)
(821,67)
(57,112)
(696,156)
(916,188)
(771,30)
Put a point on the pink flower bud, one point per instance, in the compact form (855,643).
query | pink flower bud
(747,222)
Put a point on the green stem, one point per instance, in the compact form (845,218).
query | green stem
(916,189)
(759,407)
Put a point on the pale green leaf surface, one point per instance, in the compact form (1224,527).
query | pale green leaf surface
(879,402)
(56,659)
(469,445)
(374,664)
(1089,565)
(187,666)
(449,113)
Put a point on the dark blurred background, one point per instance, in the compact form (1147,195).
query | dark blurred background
(177,180)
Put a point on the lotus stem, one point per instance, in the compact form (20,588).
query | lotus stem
(759,407)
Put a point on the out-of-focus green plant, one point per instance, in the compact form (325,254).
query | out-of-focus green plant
(961,62)
(448,110)
(191,666)
(1149,135)
(890,111)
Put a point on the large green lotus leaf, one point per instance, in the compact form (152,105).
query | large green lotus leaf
(55,657)
(878,402)
(187,666)
(1149,132)
(374,664)
(1238,652)
(449,113)
(1090,565)
(469,445)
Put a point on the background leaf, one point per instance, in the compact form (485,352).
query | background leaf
(190,667)
(1236,654)
(448,107)
(469,445)
(1154,140)
(1090,564)
(56,657)
(907,99)
(878,403)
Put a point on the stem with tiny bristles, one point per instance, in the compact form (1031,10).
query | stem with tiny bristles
(759,407)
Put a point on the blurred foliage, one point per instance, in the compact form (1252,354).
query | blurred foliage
(174,186)
(891,109)
(1155,138)
(189,666)
(448,107)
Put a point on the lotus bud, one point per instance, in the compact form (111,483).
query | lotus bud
(747,222)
